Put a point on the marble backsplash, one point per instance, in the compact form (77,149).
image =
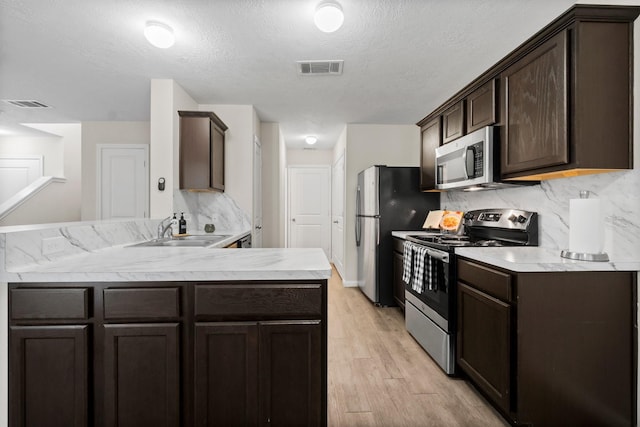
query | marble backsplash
(21,246)
(619,192)
(210,208)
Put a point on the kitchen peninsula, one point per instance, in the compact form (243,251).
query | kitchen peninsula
(157,335)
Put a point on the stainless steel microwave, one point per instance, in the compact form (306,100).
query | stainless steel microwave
(472,163)
(467,162)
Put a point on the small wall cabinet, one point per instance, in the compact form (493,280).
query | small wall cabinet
(202,140)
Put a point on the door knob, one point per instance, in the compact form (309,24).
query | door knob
(293,220)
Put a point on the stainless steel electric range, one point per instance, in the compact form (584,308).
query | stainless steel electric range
(430,275)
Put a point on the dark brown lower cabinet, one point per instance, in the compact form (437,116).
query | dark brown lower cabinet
(170,354)
(142,375)
(48,376)
(484,342)
(398,269)
(291,373)
(258,373)
(226,374)
(550,348)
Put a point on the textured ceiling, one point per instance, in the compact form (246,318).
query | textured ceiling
(402,58)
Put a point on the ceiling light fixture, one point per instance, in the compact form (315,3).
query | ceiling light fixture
(311,140)
(329,16)
(159,34)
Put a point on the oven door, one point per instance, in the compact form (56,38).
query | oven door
(439,299)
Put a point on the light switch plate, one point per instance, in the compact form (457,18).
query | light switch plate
(53,245)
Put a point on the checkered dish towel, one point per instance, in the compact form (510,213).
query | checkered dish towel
(407,261)
(419,255)
(431,274)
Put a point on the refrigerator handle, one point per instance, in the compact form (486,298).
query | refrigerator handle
(357,227)
(378,232)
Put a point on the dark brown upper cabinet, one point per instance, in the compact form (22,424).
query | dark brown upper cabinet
(202,142)
(431,138)
(562,100)
(481,107)
(453,122)
(535,132)
(568,102)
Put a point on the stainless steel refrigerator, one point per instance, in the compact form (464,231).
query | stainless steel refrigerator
(387,199)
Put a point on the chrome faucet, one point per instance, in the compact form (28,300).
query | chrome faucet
(162,229)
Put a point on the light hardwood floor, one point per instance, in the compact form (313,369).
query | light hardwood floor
(380,376)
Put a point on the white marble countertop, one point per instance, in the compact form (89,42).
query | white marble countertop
(536,259)
(179,264)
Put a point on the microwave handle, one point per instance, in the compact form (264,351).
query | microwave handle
(465,158)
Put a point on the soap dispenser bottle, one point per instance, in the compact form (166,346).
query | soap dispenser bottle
(174,224)
(182,224)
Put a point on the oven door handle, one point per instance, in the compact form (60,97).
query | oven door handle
(440,256)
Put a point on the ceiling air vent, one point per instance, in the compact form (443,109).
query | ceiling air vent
(320,68)
(26,104)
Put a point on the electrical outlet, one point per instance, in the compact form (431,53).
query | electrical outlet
(53,245)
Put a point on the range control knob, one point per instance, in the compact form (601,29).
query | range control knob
(513,218)
(522,219)
(468,215)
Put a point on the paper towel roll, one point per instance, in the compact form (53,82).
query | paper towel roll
(586,226)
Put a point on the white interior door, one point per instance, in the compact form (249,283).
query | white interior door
(123,181)
(310,207)
(16,173)
(337,215)
(256,238)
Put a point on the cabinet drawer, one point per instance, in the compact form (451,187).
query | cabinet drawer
(259,300)
(52,303)
(493,282)
(141,303)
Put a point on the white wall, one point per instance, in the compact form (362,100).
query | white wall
(309,157)
(368,145)
(50,147)
(58,202)
(272,209)
(94,133)
(282,166)
(238,161)
(166,99)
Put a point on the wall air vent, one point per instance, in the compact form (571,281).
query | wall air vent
(320,68)
(26,104)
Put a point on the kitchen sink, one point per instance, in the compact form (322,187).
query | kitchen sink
(193,241)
